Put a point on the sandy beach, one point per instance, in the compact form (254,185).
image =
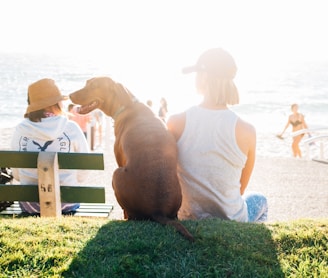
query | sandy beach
(295,188)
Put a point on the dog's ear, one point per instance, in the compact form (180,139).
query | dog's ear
(89,81)
(124,90)
(132,96)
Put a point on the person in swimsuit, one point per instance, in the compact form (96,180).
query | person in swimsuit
(297,121)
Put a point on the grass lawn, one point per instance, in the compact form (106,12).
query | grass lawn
(93,247)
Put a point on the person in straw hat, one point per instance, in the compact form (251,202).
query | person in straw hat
(216,148)
(47,129)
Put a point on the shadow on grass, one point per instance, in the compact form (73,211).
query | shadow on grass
(146,249)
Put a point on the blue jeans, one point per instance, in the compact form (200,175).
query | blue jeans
(257,206)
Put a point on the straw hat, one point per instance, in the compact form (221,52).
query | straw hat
(42,94)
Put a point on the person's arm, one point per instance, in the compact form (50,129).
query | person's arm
(246,140)
(286,126)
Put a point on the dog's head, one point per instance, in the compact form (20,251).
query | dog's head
(102,93)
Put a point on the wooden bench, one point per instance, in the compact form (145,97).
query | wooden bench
(48,192)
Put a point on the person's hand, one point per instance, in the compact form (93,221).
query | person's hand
(280,136)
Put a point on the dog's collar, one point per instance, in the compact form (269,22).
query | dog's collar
(122,108)
(118,112)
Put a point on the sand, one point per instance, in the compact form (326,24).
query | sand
(295,188)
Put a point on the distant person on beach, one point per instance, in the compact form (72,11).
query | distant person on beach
(81,120)
(98,123)
(216,148)
(163,109)
(297,121)
(47,129)
(149,103)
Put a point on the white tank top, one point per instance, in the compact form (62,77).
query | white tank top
(210,166)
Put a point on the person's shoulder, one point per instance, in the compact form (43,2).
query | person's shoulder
(245,127)
(176,118)
(176,124)
(71,124)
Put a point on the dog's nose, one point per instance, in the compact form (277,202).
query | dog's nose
(72,96)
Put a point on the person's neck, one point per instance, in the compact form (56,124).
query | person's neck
(51,112)
(211,106)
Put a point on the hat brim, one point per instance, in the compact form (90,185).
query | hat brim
(45,103)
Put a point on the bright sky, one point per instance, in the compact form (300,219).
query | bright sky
(156,36)
(277,28)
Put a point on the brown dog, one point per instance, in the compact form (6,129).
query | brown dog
(146,184)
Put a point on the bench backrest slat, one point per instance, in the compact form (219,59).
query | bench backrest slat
(89,161)
(80,194)
(11,192)
(69,194)
(17,159)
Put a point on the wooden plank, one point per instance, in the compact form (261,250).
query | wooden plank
(69,194)
(94,206)
(49,188)
(83,206)
(85,210)
(15,192)
(16,159)
(88,161)
(96,209)
(82,194)
(92,214)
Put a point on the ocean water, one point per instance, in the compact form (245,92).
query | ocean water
(265,95)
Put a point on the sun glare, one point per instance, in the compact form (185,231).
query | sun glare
(152,40)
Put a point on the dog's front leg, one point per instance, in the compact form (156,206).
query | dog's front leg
(124,191)
(125,214)
(119,155)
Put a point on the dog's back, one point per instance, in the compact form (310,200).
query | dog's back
(147,153)
(146,184)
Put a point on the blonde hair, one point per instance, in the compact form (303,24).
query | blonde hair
(222,91)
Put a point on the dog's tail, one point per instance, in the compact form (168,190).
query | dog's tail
(174,223)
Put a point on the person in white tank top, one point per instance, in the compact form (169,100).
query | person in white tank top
(216,148)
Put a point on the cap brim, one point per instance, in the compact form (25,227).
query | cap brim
(189,69)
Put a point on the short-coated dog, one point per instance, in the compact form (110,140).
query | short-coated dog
(146,184)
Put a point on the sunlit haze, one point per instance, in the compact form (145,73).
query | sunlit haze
(144,44)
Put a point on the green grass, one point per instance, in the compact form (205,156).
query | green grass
(91,247)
